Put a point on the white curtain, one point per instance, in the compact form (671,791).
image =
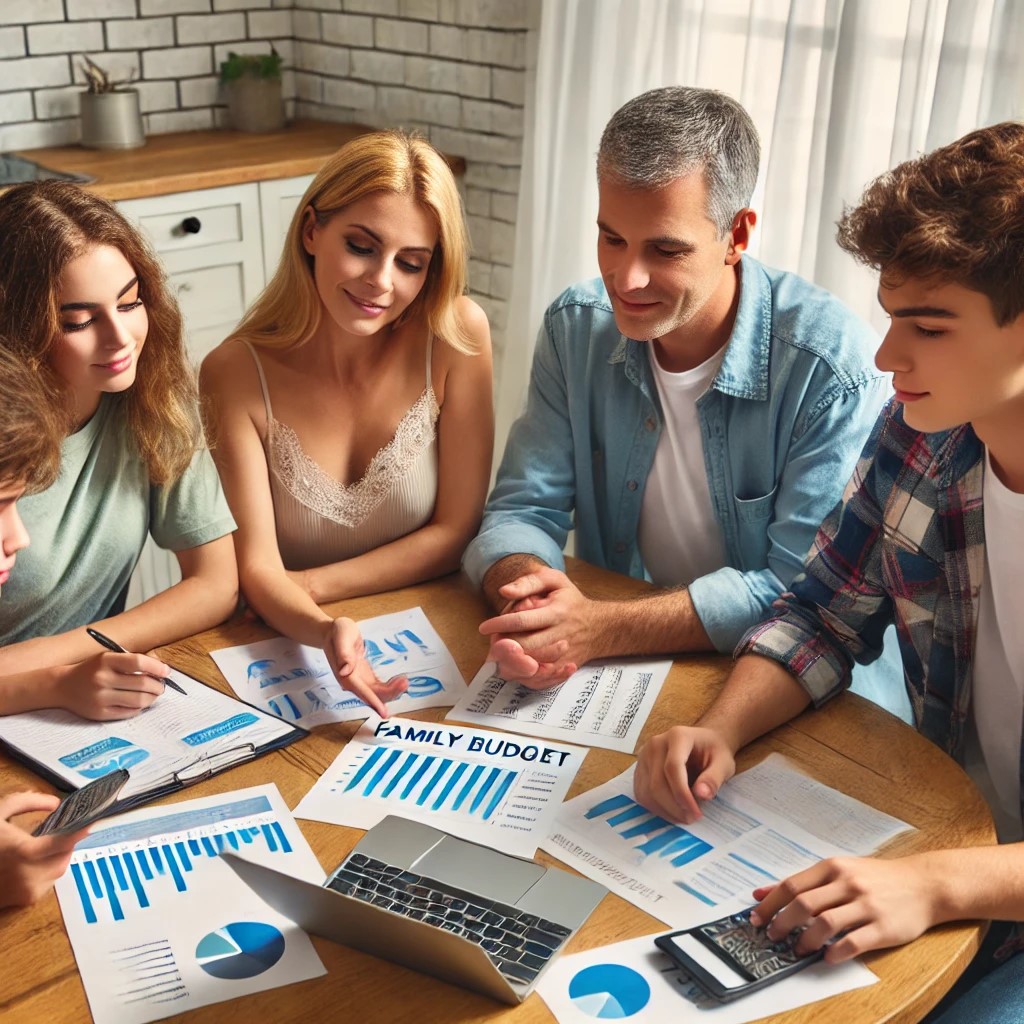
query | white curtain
(840,90)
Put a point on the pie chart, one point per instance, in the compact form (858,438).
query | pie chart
(240,950)
(609,991)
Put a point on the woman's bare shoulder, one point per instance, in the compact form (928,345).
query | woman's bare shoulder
(473,320)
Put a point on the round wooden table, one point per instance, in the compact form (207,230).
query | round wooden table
(850,744)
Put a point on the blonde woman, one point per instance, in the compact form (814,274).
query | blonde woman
(352,408)
(84,305)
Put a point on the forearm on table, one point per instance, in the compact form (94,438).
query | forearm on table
(188,607)
(30,691)
(759,695)
(664,622)
(977,883)
(285,606)
(434,550)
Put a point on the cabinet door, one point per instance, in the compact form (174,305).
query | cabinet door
(210,242)
(278,202)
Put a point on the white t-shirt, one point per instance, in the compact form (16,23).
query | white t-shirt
(997,696)
(680,539)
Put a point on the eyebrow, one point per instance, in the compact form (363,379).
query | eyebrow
(71,306)
(908,311)
(380,241)
(663,240)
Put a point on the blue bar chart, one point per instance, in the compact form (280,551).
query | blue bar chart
(661,838)
(430,782)
(122,879)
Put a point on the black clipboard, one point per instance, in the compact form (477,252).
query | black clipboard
(204,766)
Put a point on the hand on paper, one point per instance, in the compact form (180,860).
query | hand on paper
(547,630)
(877,903)
(679,767)
(343,645)
(110,686)
(29,865)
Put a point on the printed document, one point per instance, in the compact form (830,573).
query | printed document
(177,739)
(764,825)
(604,704)
(294,681)
(160,925)
(492,788)
(634,980)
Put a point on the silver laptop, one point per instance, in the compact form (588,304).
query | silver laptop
(441,905)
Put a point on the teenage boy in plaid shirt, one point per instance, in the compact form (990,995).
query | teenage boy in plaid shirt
(929,536)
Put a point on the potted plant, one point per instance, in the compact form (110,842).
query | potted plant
(252,86)
(111,118)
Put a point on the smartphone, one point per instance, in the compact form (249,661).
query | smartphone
(84,806)
(730,958)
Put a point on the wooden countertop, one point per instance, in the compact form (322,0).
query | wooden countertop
(183,161)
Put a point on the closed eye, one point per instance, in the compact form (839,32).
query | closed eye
(71,328)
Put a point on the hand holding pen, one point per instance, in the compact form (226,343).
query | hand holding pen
(113,645)
(112,685)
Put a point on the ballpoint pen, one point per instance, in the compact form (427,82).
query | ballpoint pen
(113,645)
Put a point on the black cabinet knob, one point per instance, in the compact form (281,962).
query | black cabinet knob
(191,225)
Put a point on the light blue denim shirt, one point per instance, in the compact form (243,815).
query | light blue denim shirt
(781,425)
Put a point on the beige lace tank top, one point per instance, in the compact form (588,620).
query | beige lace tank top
(320,520)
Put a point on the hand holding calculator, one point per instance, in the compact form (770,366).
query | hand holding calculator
(730,957)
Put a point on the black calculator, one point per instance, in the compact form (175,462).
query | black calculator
(730,957)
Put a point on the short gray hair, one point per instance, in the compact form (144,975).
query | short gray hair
(665,134)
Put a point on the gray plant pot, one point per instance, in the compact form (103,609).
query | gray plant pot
(111,120)
(255,104)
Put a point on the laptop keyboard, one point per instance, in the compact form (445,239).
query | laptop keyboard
(519,944)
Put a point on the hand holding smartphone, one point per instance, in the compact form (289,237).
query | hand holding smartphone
(83,806)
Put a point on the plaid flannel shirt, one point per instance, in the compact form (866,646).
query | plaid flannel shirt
(907,545)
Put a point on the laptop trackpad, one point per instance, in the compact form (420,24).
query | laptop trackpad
(479,870)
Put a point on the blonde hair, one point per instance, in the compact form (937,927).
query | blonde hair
(30,428)
(44,226)
(289,310)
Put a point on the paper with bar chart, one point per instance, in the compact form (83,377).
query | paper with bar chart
(488,787)
(764,825)
(160,924)
(294,681)
(604,704)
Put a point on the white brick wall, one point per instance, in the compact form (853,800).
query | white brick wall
(455,70)
(83,9)
(65,37)
(172,47)
(139,33)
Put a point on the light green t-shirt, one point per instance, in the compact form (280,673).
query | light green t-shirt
(88,529)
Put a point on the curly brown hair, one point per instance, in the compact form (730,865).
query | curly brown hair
(44,226)
(955,215)
(30,428)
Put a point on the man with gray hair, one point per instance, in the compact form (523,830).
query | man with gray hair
(693,414)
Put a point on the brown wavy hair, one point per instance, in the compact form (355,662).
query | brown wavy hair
(44,226)
(955,215)
(31,430)
(289,309)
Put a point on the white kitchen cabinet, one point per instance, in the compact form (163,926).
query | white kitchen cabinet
(210,241)
(219,246)
(278,200)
